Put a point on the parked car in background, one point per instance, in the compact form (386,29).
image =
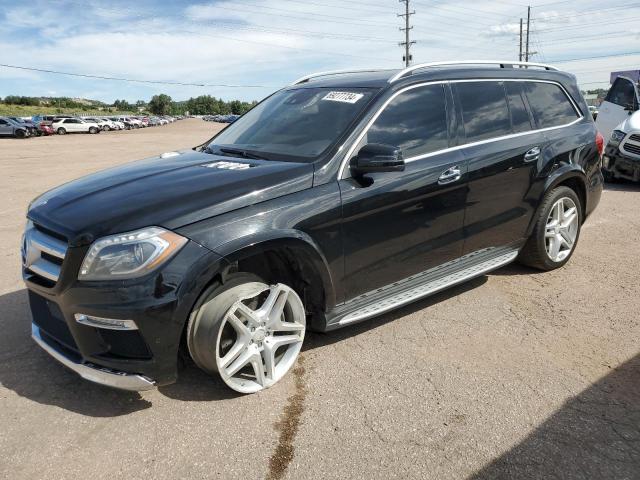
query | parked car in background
(131,121)
(593,110)
(11,128)
(334,200)
(28,124)
(45,129)
(622,155)
(117,123)
(621,101)
(63,126)
(105,125)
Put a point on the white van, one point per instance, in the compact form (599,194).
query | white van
(621,101)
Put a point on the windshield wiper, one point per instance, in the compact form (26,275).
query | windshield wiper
(236,152)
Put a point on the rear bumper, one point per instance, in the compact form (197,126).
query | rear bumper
(92,372)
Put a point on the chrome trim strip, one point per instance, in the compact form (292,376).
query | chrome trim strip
(429,288)
(48,244)
(345,160)
(101,322)
(45,269)
(94,373)
(412,68)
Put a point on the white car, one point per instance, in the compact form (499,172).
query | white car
(133,121)
(621,101)
(74,125)
(117,123)
(104,125)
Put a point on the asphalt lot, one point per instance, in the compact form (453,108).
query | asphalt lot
(517,374)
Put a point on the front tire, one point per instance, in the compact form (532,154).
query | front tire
(21,134)
(247,332)
(93,130)
(556,232)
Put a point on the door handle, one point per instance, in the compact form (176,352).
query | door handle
(450,175)
(532,155)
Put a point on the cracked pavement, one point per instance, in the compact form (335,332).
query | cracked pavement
(517,374)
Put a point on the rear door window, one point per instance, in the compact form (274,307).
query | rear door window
(520,119)
(415,121)
(484,108)
(550,105)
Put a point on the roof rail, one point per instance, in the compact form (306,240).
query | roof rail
(501,63)
(306,78)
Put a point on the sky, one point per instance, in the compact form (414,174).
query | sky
(247,49)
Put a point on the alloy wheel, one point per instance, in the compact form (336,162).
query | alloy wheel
(260,338)
(561,229)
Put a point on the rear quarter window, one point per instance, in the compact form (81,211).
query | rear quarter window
(520,118)
(550,105)
(484,110)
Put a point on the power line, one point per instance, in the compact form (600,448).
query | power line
(135,80)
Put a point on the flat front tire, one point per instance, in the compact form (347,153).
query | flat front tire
(247,332)
(556,231)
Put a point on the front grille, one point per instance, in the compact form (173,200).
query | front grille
(48,316)
(635,137)
(632,148)
(43,253)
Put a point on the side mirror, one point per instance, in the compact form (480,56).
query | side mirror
(629,107)
(377,157)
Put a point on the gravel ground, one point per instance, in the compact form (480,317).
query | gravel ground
(517,374)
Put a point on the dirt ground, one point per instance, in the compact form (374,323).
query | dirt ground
(518,374)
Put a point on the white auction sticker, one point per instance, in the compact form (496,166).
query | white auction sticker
(345,97)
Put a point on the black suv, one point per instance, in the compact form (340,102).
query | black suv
(337,198)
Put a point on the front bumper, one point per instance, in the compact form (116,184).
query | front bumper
(619,165)
(92,372)
(159,303)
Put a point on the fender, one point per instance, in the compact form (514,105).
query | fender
(249,245)
(563,173)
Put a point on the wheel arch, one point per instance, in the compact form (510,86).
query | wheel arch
(287,256)
(564,176)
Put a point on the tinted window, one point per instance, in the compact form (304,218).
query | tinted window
(415,121)
(484,110)
(520,120)
(622,93)
(550,104)
(301,123)
(3,122)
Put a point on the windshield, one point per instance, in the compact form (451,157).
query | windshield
(301,124)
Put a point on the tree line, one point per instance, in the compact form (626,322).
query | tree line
(159,105)
(202,105)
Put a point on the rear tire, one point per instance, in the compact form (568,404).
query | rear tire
(553,242)
(61,131)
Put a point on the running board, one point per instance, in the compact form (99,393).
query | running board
(420,285)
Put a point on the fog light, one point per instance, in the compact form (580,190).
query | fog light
(109,323)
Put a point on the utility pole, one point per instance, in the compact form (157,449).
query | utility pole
(407,42)
(526,55)
(520,51)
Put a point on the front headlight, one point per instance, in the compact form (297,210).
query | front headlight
(616,138)
(130,255)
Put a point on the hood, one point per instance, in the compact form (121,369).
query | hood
(631,123)
(169,191)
